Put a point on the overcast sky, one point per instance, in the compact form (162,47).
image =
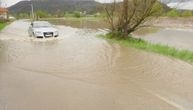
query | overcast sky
(9,2)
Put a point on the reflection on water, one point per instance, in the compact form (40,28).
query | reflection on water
(78,71)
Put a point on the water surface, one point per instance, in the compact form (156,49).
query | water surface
(78,71)
(174,37)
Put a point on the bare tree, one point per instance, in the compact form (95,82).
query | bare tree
(132,16)
(111,11)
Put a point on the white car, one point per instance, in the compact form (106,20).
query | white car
(42,29)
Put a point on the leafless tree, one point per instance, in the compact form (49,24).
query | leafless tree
(111,11)
(130,16)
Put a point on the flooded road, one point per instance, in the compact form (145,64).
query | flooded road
(175,37)
(78,71)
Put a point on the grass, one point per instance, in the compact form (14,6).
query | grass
(2,25)
(184,55)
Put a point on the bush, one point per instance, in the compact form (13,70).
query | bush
(41,14)
(173,13)
(77,14)
(2,25)
(22,15)
(187,14)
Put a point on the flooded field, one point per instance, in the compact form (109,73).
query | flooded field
(174,37)
(92,23)
(177,35)
(78,71)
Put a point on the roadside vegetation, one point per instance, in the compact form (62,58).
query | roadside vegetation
(184,55)
(2,25)
(177,13)
(59,14)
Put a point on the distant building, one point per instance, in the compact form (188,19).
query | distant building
(3,14)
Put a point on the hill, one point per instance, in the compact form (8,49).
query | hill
(52,6)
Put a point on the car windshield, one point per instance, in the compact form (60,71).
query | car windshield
(41,24)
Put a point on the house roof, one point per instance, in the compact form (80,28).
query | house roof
(3,10)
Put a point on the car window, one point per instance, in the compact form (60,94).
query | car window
(39,25)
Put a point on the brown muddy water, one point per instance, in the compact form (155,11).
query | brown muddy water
(180,38)
(78,71)
(92,23)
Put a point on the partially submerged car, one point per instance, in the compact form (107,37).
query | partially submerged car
(42,29)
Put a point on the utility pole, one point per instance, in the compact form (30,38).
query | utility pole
(32,10)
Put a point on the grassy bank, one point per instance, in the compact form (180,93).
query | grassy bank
(184,55)
(2,25)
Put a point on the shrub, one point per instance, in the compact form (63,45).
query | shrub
(22,15)
(173,13)
(41,14)
(187,13)
(77,14)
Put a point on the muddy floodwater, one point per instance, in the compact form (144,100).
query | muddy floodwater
(174,37)
(173,34)
(79,71)
(86,22)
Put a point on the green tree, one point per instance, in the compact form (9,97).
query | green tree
(77,14)
(173,13)
(22,15)
(41,14)
(59,13)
